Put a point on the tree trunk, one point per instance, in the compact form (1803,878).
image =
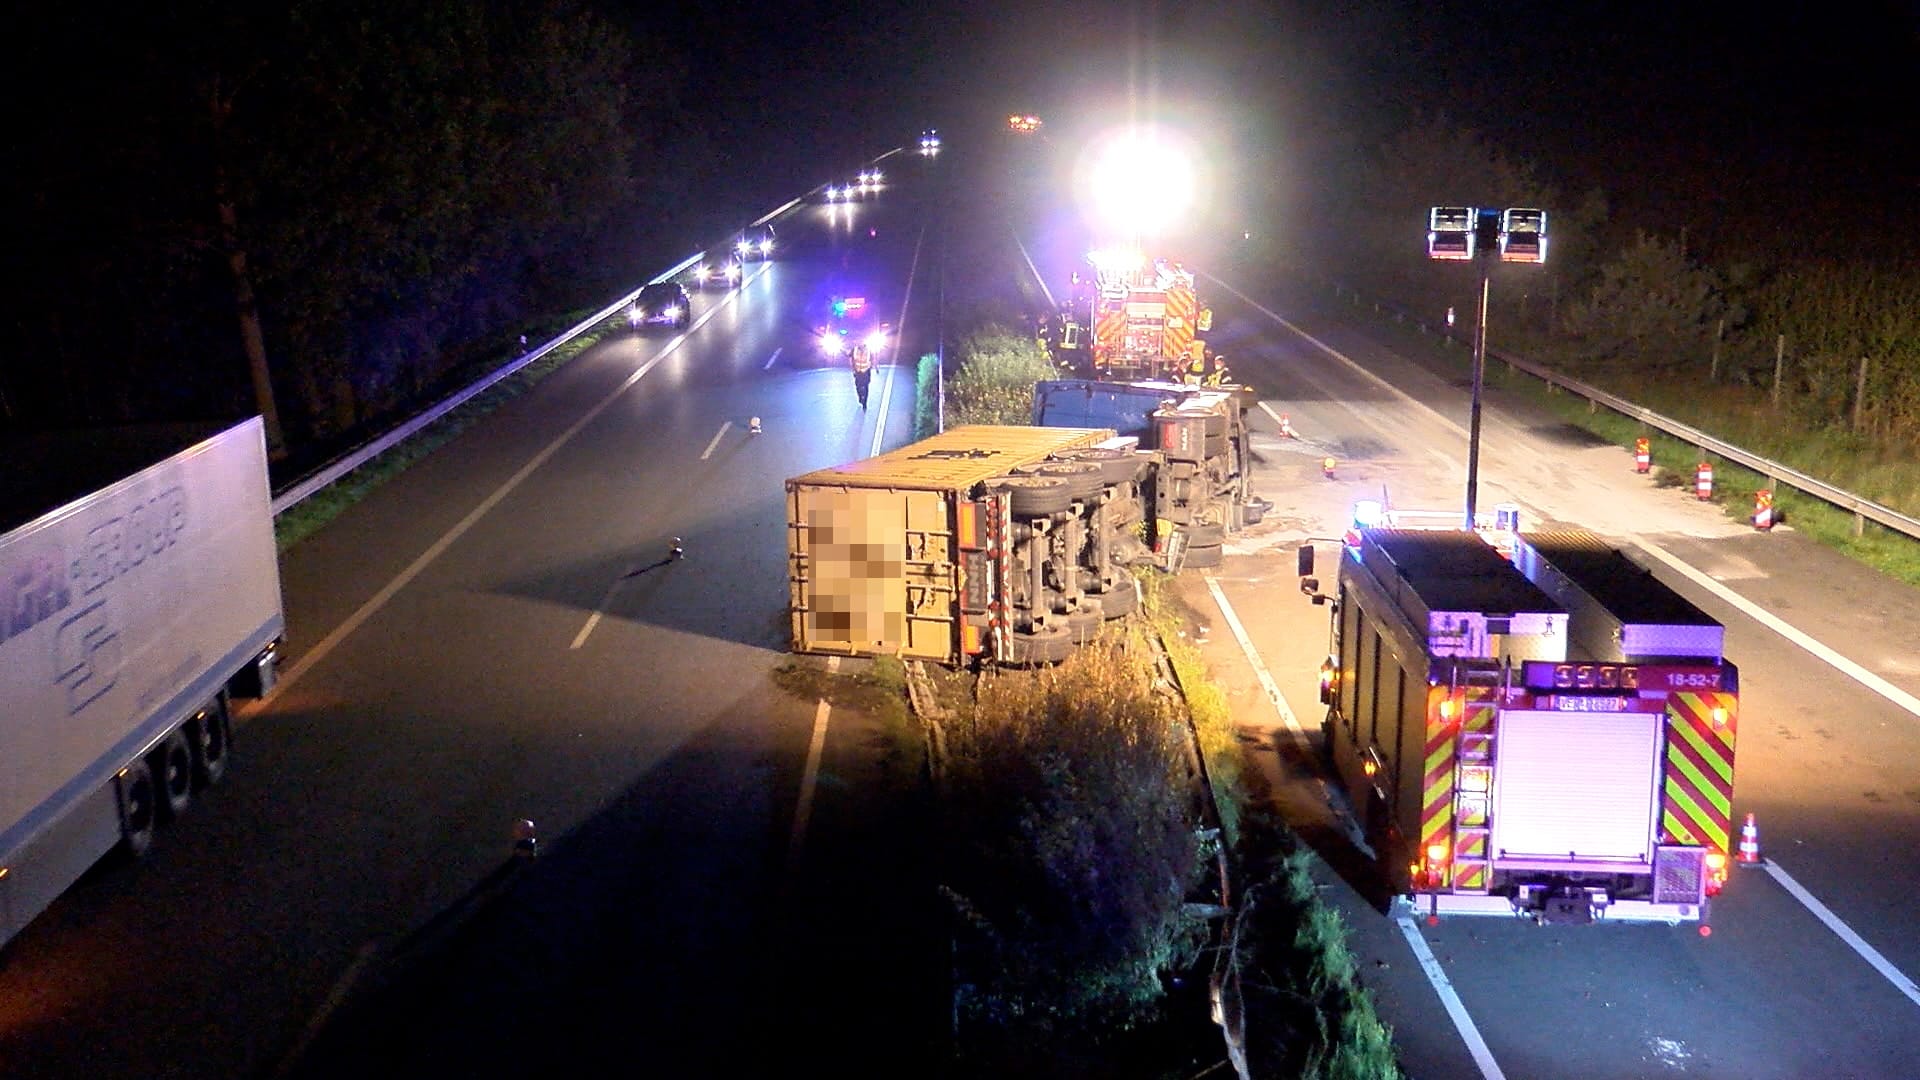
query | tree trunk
(252,340)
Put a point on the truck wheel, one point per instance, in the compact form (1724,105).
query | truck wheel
(210,747)
(1206,534)
(1116,466)
(1121,602)
(1049,646)
(1084,479)
(1084,624)
(1036,496)
(172,764)
(1202,558)
(139,813)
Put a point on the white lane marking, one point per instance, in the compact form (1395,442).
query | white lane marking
(1278,422)
(606,604)
(1759,614)
(1825,914)
(1044,291)
(899,331)
(1456,1008)
(810,775)
(1259,666)
(1786,630)
(768,366)
(708,452)
(326,645)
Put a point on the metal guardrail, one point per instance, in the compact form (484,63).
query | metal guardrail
(1775,472)
(306,486)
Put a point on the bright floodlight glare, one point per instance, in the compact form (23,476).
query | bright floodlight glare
(766,246)
(743,247)
(877,340)
(829,342)
(1142,184)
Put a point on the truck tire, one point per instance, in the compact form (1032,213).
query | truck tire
(1084,479)
(139,798)
(1036,496)
(1206,534)
(1048,646)
(172,765)
(1202,557)
(1084,625)
(1121,602)
(210,745)
(1116,466)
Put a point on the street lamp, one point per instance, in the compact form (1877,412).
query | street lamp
(1475,234)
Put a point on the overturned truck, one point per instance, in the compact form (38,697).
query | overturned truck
(1009,544)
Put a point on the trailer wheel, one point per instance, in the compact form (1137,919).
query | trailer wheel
(1083,625)
(172,765)
(1048,646)
(139,812)
(1206,534)
(1084,479)
(1036,496)
(1121,602)
(1116,466)
(210,746)
(1204,557)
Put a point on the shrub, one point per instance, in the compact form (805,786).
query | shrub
(994,380)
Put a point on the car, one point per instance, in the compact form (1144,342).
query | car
(929,142)
(663,303)
(754,242)
(847,321)
(719,270)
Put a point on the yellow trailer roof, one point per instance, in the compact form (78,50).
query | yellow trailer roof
(956,459)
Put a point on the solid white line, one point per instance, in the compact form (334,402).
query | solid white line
(768,366)
(366,611)
(1268,409)
(1456,1008)
(899,332)
(1786,630)
(708,452)
(606,602)
(1867,952)
(810,775)
(1259,666)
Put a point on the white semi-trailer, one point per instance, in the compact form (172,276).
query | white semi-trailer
(131,615)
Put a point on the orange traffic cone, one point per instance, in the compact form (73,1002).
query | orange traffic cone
(1642,455)
(1286,427)
(1749,844)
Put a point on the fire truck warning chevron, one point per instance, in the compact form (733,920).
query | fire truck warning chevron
(1551,736)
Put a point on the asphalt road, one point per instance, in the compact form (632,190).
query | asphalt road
(497,634)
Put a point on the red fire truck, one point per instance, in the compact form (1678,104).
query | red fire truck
(1548,734)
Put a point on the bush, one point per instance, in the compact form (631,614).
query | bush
(926,397)
(993,383)
(1073,845)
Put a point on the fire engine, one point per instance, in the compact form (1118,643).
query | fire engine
(1547,732)
(1132,319)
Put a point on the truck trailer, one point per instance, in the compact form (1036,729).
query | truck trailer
(980,543)
(1548,733)
(139,596)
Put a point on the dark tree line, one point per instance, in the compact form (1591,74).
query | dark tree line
(342,200)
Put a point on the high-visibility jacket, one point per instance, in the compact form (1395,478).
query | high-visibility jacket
(862,359)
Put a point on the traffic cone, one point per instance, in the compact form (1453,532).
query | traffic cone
(1763,511)
(1703,481)
(1749,844)
(753,426)
(1286,427)
(1642,455)
(1326,466)
(526,840)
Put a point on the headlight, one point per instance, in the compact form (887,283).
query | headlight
(766,246)
(700,273)
(733,271)
(833,194)
(635,316)
(830,342)
(876,341)
(743,247)
(671,313)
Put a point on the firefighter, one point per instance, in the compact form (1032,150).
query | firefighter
(862,360)
(1216,371)
(1195,372)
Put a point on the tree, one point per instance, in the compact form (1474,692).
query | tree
(1651,308)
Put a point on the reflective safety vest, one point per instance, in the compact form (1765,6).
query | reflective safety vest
(862,359)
